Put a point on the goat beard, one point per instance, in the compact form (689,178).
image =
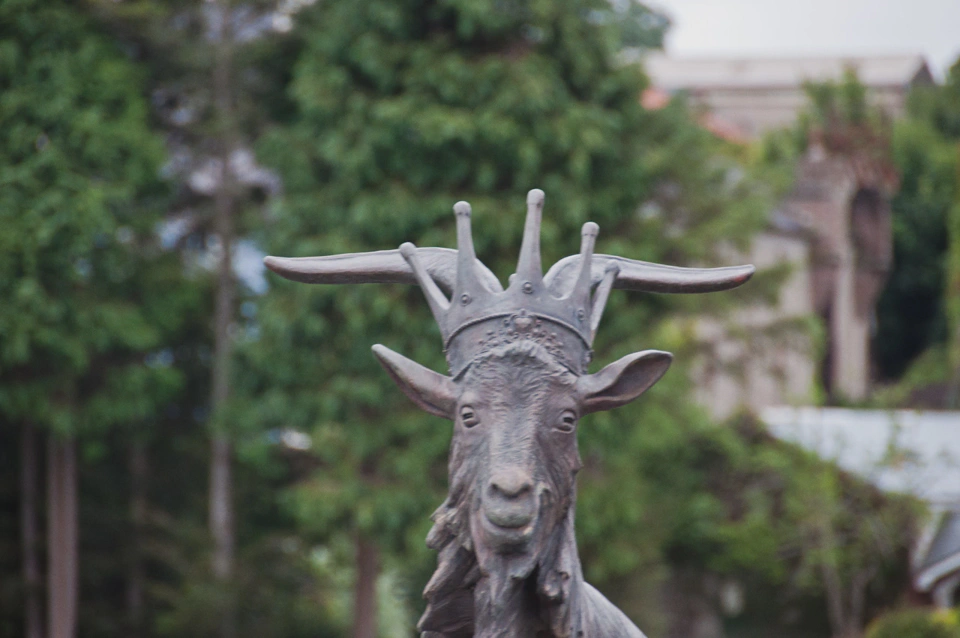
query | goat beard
(503,598)
(478,592)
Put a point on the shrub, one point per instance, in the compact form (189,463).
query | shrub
(915,623)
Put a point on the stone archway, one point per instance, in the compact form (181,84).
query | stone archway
(847,215)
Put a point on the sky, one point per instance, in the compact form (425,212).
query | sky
(815,27)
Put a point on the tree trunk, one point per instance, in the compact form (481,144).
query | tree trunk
(826,545)
(221,525)
(28,519)
(365,592)
(221,497)
(62,548)
(858,600)
(834,592)
(138,516)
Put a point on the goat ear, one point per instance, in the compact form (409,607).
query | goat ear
(433,392)
(622,381)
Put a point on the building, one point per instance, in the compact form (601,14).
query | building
(936,564)
(833,228)
(756,95)
(834,231)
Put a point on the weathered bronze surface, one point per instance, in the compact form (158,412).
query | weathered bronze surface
(518,385)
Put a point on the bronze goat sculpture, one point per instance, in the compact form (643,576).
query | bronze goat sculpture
(508,565)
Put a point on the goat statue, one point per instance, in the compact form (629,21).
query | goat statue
(508,565)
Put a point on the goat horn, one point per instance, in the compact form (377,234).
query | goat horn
(379,267)
(642,276)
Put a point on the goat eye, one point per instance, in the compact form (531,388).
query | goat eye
(468,416)
(568,421)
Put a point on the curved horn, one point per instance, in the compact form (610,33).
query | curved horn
(379,267)
(644,276)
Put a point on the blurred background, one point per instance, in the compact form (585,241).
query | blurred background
(190,446)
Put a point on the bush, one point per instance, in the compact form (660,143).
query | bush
(916,623)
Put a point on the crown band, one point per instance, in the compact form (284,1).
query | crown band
(474,339)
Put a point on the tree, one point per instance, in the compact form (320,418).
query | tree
(207,75)
(916,312)
(400,110)
(79,169)
(812,549)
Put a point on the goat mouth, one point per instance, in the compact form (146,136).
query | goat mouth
(510,517)
(508,529)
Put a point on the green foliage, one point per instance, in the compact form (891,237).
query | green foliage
(78,167)
(834,102)
(912,312)
(639,26)
(742,505)
(733,504)
(915,623)
(179,46)
(279,590)
(97,318)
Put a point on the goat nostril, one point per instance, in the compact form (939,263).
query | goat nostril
(511,484)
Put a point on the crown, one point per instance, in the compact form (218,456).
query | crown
(480,315)
(559,310)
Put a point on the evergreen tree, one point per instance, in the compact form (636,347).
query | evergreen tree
(401,109)
(78,168)
(211,64)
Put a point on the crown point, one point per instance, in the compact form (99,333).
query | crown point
(535,197)
(407,250)
(461,208)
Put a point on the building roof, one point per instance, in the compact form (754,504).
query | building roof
(939,557)
(946,541)
(906,451)
(672,73)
